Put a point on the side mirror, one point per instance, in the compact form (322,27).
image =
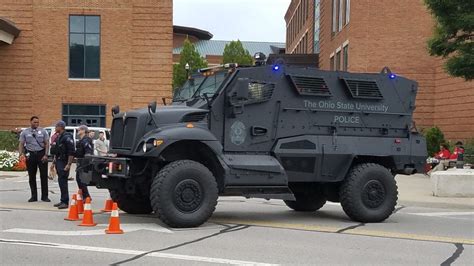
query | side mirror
(241,90)
(115,110)
(152,107)
(237,96)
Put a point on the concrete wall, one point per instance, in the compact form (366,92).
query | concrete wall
(453,183)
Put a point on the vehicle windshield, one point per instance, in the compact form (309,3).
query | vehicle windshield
(211,84)
(188,89)
(200,85)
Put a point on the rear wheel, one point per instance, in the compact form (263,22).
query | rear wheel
(307,201)
(184,194)
(133,204)
(369,193)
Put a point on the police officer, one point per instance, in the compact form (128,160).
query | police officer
(64,155)
(34,142)
(84,146)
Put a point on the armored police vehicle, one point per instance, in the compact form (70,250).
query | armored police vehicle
(302,135)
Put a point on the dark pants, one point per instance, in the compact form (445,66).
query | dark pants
(82,186)
(32,164)
(62,180)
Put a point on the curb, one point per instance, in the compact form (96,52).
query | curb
(441,205)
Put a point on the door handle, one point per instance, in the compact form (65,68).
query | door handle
(258,131)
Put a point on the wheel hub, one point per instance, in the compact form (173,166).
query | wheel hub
(373,194)
(188,195)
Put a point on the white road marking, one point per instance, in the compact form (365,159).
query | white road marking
(126,228)
(433,214)
(130,252)
(144,226)
(55,233)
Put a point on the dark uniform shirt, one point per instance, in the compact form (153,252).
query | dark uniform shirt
(65,146)
(84,146)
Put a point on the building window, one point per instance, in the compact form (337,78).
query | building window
(348,11)
(331,62)
(84,47)
(334,16)
(345,57)
(339,25)
(78,114)
(338,60)
(306,7)
(316,27)
(305,50)
(297,17)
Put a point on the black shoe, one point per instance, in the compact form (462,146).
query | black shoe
(33,199)
(45,200)
(57,204)
(63,206)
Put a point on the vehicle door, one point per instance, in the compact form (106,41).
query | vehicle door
(250,115)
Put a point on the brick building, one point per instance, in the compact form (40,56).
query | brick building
(75,59)
(365,36)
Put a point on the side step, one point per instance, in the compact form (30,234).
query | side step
(265,192)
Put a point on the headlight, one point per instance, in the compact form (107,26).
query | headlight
(149,144)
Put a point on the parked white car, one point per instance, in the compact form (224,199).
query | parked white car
(75,133)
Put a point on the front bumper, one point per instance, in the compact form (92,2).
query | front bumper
(101,171)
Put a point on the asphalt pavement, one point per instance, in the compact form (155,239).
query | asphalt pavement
(424,230)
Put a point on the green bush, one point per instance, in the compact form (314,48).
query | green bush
(434,137)
(8,141)
(469,151)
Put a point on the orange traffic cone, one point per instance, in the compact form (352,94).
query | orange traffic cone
(114,222)
(88,220)
(73,214)
(80,202)
(108,205)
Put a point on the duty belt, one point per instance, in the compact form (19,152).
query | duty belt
(35,152)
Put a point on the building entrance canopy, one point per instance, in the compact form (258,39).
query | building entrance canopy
(8,31)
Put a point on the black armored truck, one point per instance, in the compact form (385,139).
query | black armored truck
(302,135)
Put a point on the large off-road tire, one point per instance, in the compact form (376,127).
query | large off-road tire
(308,201)
(369,193)
(131,204)
(184,194)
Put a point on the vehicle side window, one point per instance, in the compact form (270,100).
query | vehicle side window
(260,92)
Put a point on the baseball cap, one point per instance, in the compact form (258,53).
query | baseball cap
(83,127)
(61,123)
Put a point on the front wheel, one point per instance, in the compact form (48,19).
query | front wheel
(369,193)
(184,194)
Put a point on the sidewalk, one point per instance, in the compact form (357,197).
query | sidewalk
(415,190)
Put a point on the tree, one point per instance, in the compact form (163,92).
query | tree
(234,52)
(189,55)
(453,35)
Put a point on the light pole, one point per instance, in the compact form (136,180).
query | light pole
(187,70)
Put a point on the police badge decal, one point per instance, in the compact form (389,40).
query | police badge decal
(238,133)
